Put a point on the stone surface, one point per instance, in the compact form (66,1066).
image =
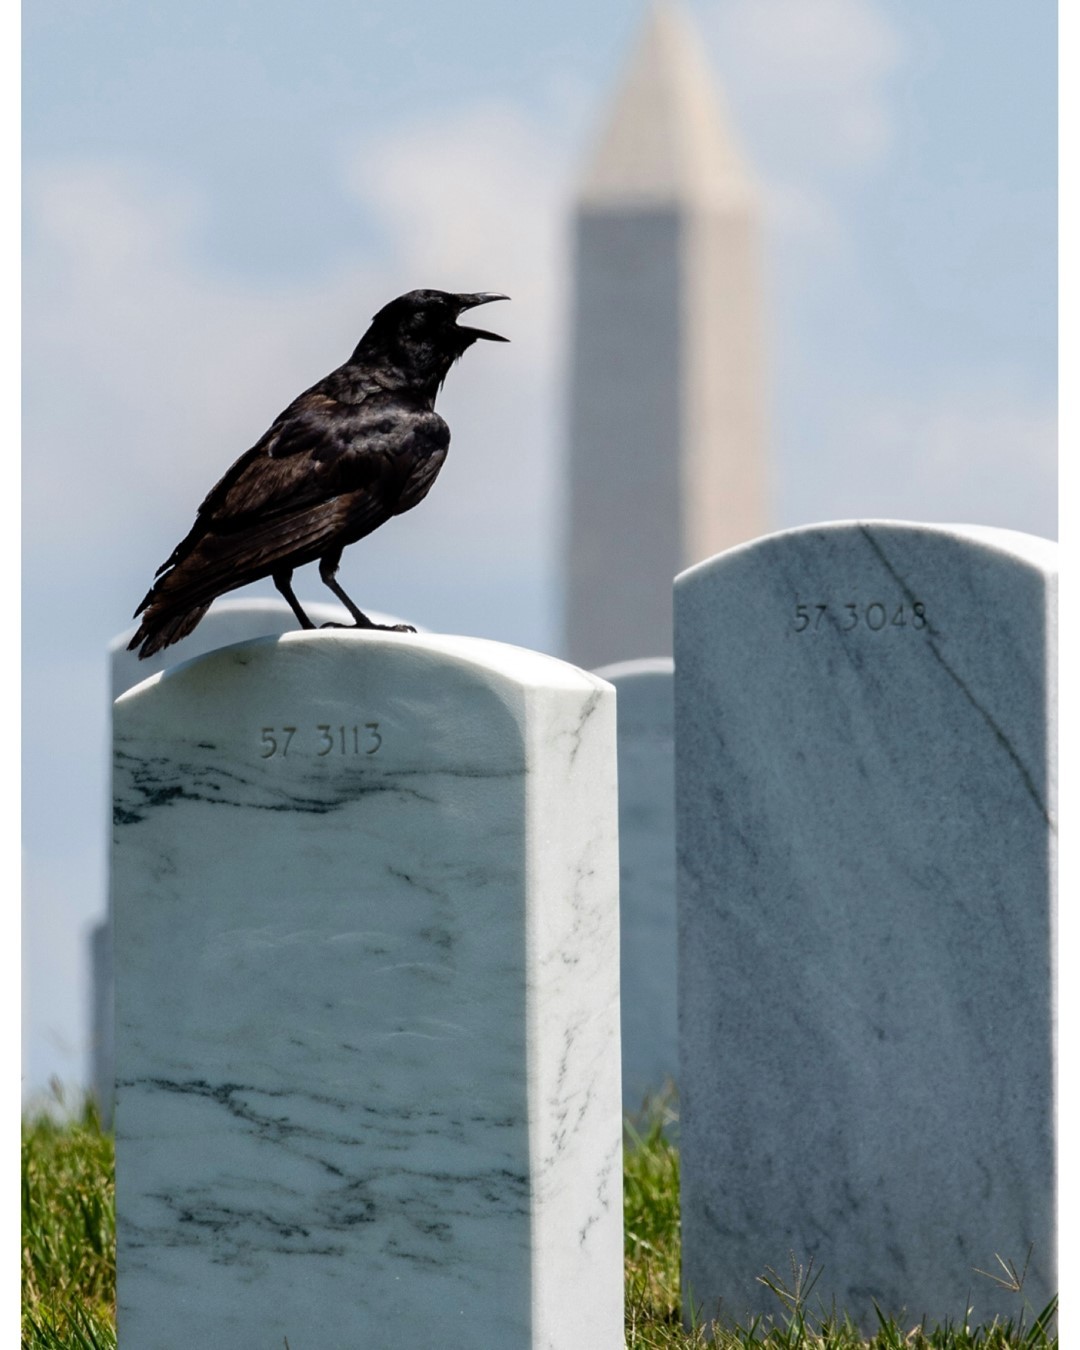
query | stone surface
(367,999)
(646,874)
(666,455)
(229,620)
(865,806)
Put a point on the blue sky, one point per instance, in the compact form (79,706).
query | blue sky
(218,196)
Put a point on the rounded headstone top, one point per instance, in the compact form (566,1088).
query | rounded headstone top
(1038,552)
(325,701)
(228,621)
(645,667)
(487,659)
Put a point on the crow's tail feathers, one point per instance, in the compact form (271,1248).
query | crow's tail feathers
(162,627)
(217,563)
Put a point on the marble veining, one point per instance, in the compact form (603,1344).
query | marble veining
(932,643)
(229,621)
(865,838)
(367,998)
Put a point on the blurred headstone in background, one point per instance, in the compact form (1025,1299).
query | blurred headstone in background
(646,875)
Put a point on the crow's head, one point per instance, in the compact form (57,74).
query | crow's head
(420,330)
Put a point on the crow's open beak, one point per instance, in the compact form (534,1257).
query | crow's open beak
(471,302)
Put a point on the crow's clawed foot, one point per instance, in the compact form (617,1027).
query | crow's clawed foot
(373,627)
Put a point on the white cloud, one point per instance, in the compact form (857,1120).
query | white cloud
(169,370)
(806,215)
(816,71)
(472,201)
(815,46)
(984,458)
(811,82)
(982,455)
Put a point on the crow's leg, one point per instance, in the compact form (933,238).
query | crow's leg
(282,581)
(328,567)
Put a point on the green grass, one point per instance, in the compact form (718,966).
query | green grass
(68,1234)
(69,1260)
(653,1301)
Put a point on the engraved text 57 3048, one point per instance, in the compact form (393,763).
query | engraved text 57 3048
(877,615)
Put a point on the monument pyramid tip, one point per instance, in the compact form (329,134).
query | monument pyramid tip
(666,138)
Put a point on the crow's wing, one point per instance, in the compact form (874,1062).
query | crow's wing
(324,475)
(290,467)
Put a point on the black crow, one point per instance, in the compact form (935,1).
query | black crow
(362,445)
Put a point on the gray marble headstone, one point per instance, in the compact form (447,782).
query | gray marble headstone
(646,874)
(366,909)
(865,820)
(229,620)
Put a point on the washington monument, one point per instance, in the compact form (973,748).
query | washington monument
(666,412)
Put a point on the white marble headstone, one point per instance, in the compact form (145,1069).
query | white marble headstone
(366,921)
(646,874)
(865,823)
(229,620)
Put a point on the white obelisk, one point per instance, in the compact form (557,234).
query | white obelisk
(667,438)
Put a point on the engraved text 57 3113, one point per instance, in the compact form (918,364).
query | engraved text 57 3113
(320,741)
(877,615)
